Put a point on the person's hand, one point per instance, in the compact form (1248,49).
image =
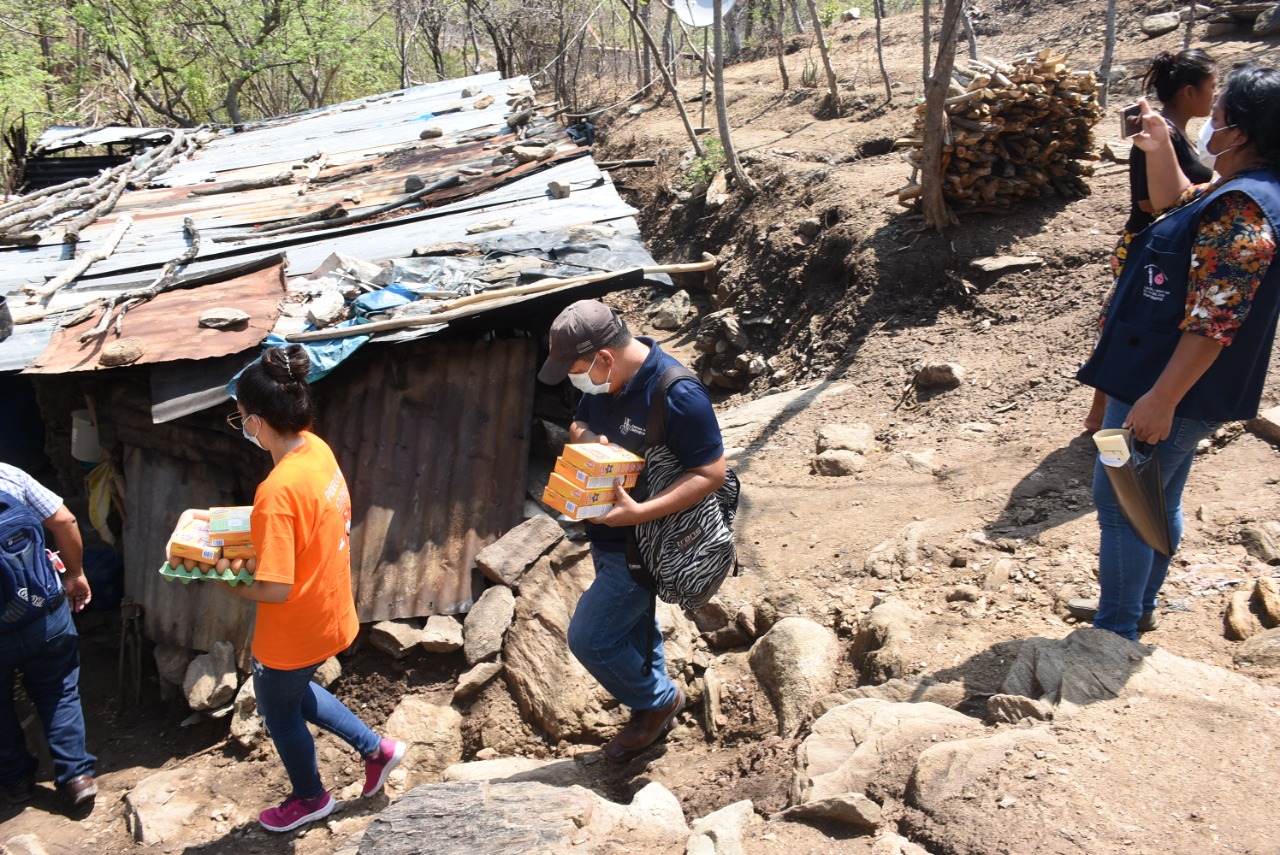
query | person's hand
(1150,419)
(1155,130)
(78,593)
(602,439)
(1097,411)
(625,510)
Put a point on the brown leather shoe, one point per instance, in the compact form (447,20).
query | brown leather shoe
(645,728)
(21,792)
(80,789)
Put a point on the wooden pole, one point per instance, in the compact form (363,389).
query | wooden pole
(666,77)
(722,111)
(833,91)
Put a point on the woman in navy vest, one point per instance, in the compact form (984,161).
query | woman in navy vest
(1187,335)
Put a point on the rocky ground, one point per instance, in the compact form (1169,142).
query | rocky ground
(894,671)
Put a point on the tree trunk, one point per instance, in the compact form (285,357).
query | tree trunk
(1108,51)
(795,16)
(833,91)
(937,215)
(968,31)
(745,184)
(731,32)
(924,15)
(884,72)
(666,78)
(1191,25)
(782,65)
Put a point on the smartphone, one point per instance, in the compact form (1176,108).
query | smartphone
(1130,121)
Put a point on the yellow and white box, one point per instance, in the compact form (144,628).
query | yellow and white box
(230,526)
(593,482)
(193,542)
(582,495)
(572,509)
(595,459)
(244,551)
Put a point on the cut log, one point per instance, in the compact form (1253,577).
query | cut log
(278,180)
(45,293)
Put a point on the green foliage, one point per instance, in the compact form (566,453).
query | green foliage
(702,170)
(830,11)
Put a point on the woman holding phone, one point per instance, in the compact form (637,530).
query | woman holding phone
(1187,336)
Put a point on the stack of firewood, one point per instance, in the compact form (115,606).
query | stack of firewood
(1013,131)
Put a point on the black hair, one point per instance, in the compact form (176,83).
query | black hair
(1170,72)
(1251,102)
(275,388)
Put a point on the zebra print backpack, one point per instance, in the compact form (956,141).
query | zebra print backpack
(683,557)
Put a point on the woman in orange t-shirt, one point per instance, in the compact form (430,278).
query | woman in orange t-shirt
(301,524)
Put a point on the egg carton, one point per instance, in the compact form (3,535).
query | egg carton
(186,577)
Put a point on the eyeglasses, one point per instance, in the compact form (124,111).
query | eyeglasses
(235,420)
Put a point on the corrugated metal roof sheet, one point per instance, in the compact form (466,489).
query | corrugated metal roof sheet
(60,137)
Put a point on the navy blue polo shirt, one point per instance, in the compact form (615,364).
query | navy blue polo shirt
(693,434)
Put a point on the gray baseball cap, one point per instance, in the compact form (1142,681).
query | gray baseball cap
(580,329)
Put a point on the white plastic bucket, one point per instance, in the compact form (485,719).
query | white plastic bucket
(84,438)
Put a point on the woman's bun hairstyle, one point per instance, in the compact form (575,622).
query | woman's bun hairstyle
(275,388)
(1170,72)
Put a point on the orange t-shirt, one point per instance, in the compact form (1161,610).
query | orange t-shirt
(301,525)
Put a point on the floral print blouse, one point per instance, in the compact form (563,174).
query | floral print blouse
(1233,249)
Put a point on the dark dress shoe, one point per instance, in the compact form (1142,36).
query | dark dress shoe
(21,792)
(80,789)
(644,729)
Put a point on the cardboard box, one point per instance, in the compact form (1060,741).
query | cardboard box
(572,509)
(593,482)
(230,526)
(235,551)
(596,459)
(192,541)
(582,495)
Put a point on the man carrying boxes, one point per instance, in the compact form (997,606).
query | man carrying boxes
(613,632)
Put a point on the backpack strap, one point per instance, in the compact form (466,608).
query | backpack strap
(655,430)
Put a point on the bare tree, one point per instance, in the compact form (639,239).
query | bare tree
(630,6)
(722,112)
(833,91)
(884,72)
(967,20)
(1108,52)
(782,65)
(937,215)
(925,58)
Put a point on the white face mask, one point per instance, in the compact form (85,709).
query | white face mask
(582,382)
(244,430)
(1206,134)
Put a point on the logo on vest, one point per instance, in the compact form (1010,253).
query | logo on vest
(628,426)
(1155,280)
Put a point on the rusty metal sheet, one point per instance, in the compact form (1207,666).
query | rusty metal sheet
(433,438)
(168,324)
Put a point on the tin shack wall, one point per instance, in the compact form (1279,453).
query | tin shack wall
(433,437)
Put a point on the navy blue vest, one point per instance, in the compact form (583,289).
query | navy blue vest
(1141,329)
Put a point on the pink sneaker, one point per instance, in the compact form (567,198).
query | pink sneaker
(380,765)
(295,812)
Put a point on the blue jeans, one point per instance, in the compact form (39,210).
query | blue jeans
(287,701)
(612,631)
(46,651)
(1130,572)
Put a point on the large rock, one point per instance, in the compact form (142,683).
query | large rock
(553,691)
(859,438)
(742,425)
(507,558)
(1262,541)
(498,819)
(172,661)
(211,678)
(865,741)
(720,832)
(1158,25)
(396,638)
(442,634)
(956,769)
(1266,425)
(162,807)
(890,843)
(432,732)
(680,637)
(23,844)
(328,672)
(1239,623)
(471,682)
(1268,23)
(879,648)
(899,556)
(1266,596)
(1011,709)
(837,464)
(1260,651)
(915,690)
(795,662)
(852,809)
(655,808)
(940,375)
(672,313)
(246,724)
(487,622)
(558,773)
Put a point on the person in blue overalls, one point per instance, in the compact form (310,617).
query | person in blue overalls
(1187,336)
(613,632)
